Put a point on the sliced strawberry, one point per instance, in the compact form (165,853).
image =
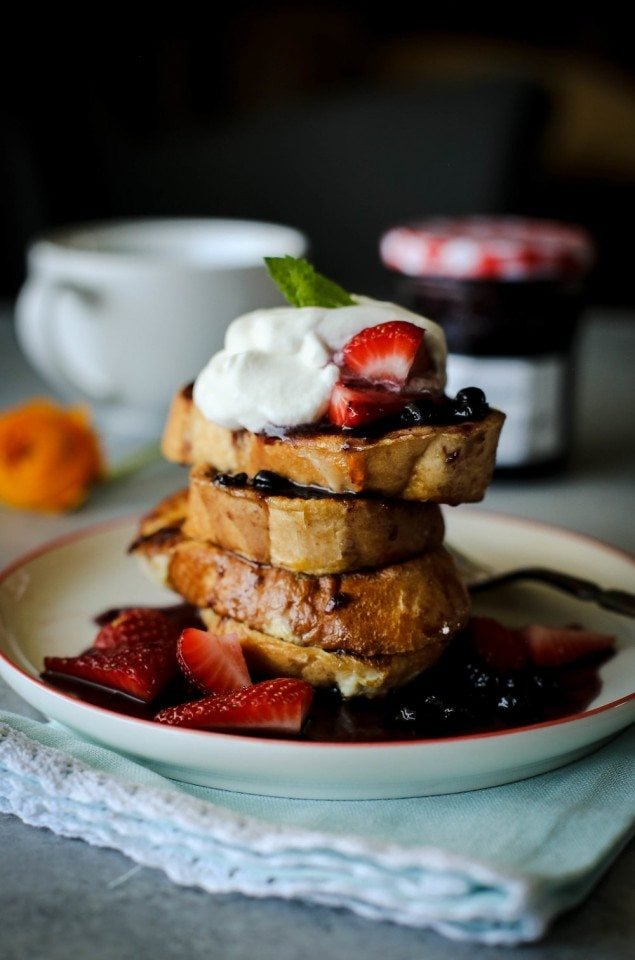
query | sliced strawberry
(390,352)
(555,646)
(213,662)
(136,625)
(352,406)
(141,669)
(272,706)
(500,646)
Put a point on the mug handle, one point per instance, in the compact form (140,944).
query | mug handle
(38,310)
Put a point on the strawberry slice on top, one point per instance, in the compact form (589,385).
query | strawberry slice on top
(272,706)
(213,662)
(389,353)
(353,405)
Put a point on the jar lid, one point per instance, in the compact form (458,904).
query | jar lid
(479,247)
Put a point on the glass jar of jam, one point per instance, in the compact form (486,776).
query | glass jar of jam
(508,293)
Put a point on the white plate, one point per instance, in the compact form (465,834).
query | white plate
(48,600)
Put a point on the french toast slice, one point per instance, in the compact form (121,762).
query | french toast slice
(354,676)
(395,609)
(309,534)
(443,464)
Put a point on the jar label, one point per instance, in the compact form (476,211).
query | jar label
(530,391)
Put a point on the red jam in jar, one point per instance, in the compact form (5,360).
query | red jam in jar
(508,293)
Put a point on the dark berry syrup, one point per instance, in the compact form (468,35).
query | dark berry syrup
(461,695)
(426,408)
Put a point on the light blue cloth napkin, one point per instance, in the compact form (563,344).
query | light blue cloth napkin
(493,865)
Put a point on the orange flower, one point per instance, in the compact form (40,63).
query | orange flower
(49,456)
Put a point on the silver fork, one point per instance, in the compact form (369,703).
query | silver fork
(478,576)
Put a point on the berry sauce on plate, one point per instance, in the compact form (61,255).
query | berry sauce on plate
(463,694)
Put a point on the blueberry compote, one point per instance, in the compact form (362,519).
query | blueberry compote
(268,483)
(470,404)
(459,696)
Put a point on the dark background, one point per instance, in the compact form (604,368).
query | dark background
(335,117)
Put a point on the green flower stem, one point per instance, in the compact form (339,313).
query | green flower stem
(135,461)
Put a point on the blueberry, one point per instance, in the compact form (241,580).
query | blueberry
(417,411)
(470,397)
(267,480)
(432,704)
(515,708)
(479,678)
(406,714)
(421,714)
(541,683)
(455,716)
(411,414)
(231,479)
(470,404)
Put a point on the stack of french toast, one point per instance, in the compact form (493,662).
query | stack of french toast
(321,550)
(321,546)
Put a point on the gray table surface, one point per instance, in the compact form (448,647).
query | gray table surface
(62,898)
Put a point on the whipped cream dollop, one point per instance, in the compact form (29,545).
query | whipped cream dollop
(279,366)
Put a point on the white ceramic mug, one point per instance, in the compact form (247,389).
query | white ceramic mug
(122,313)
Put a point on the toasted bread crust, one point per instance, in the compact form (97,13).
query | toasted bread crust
(444,464)
(395,609)
(319,535)
(166,517)
(354,676)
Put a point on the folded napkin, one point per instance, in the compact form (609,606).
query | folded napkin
(492,865)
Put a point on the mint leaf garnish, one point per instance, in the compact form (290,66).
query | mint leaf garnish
(303,286)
